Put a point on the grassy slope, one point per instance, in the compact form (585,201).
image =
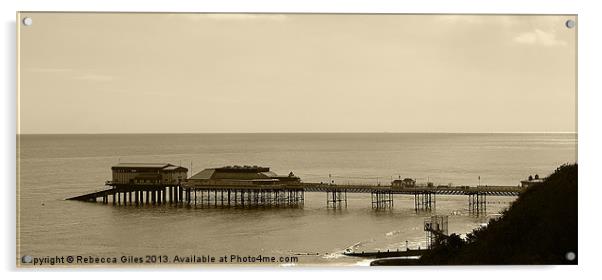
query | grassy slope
(539,228)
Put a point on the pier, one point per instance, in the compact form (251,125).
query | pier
(138,184)
(286,195)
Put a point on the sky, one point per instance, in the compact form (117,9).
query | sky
(214,73)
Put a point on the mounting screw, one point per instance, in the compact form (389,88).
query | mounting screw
(27,21)
(570,23)
(570,256)
(26,259)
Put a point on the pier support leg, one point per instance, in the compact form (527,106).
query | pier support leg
(188,196)
(424,201)
(235,198)
(242,198)
(477,203)
(334,199)
(181,193)
(202,199)
(382,199)
(170,189)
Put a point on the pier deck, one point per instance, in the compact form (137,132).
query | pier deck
(488,190)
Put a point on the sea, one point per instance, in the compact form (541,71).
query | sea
(52,168)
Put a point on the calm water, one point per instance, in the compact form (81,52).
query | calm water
(54,167)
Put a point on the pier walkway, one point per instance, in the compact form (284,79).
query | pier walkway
(464,190)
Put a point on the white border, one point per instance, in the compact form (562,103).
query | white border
(590,47)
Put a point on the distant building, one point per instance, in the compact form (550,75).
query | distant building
(147,174)
(405,183)
(530,181)
(241,175)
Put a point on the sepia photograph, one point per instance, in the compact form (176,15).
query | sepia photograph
(295,139)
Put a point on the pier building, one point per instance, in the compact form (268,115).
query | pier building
(147,174)
(405,183)
(141,183)
(242,175)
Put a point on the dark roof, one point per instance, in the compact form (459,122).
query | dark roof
(159,166)
(236,173)
(141,165)
(240,175)
(204,175)
(244,168)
